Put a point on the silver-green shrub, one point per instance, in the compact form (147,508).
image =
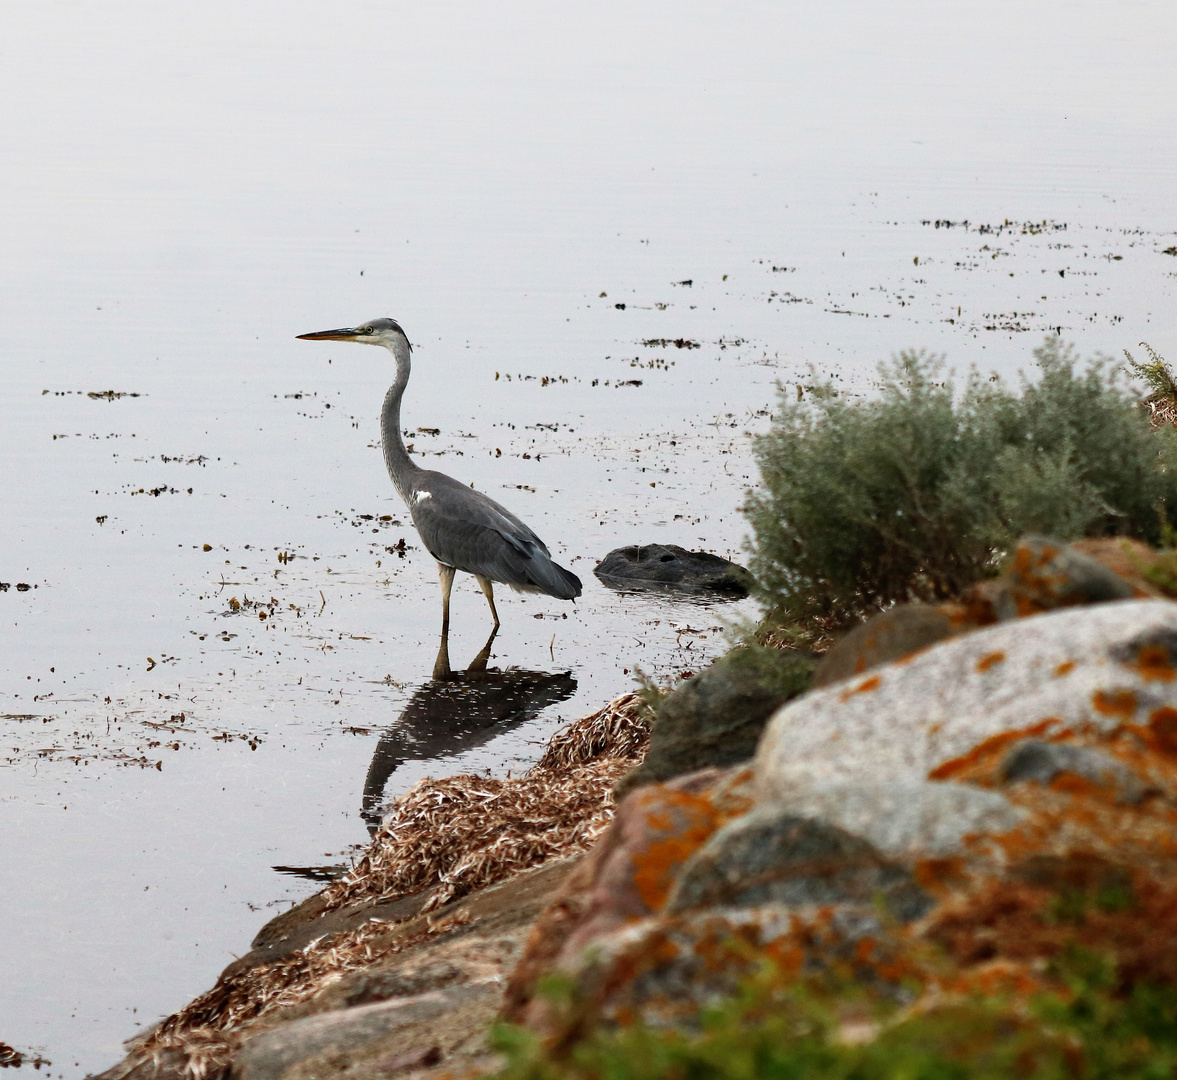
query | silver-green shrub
(918,492)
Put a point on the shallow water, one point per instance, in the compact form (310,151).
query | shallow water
(184,191)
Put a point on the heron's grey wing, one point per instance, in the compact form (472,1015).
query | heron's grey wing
(463,528)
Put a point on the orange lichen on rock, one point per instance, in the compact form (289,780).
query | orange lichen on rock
(685,823)
(990,660)
(1121,703)
(1065,668)
(1154,664)
(1162,724)
(984,755)
(938,876)
(864,687)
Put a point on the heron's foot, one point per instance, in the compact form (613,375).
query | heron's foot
(480,661)
(441,666)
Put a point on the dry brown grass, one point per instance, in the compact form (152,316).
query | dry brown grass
(455,835)
(467,832)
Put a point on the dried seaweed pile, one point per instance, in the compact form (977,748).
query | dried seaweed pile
(207,1032)
(458,834)
(466,832)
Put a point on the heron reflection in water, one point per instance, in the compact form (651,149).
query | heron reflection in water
(448,717)
(460,527)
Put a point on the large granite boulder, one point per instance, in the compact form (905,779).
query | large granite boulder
(1085,673)
(962,797)
(1041,574)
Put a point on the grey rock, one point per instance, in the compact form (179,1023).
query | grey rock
(1046,573)
(716,717)
(1078,669)
(665,970)
(1039,761)
(394,1028)
(905,819)
(295,929)
(890,635)
(670,568)
(380,983)
(771,856)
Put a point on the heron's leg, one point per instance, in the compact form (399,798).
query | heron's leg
(488,590)
(441,666)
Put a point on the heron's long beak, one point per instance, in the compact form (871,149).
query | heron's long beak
(346,334)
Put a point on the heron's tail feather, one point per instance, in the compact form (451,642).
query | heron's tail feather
(569,584)
(545,576)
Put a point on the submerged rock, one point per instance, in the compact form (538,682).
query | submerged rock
(715,718)
(670,568)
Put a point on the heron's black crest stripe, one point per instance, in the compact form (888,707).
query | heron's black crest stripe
(390,324)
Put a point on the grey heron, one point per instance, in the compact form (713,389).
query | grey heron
(460,527)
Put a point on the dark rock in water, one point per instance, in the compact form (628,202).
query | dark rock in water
(715,718)
(670,568)
(770,856)
(891,635)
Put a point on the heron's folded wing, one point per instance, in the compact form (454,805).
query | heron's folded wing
(464,528)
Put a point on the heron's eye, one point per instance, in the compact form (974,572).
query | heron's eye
(364,330)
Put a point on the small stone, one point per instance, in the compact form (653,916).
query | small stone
(670,568)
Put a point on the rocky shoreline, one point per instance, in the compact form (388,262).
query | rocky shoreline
(911,826)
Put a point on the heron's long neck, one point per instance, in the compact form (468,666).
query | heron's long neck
(401,467)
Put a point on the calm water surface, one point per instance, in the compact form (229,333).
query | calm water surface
(538,194)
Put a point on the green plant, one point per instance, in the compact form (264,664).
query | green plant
(774,1030)
(917,493)
(1162,402)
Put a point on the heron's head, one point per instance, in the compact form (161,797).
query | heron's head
(386,332)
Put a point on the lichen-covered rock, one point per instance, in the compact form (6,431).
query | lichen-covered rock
(667,969)
(670,568)
(629,873)
(1041,575)
(714,718)
(1095,670)
(1044,574)
(655,830)
(982,795)
(772,857)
